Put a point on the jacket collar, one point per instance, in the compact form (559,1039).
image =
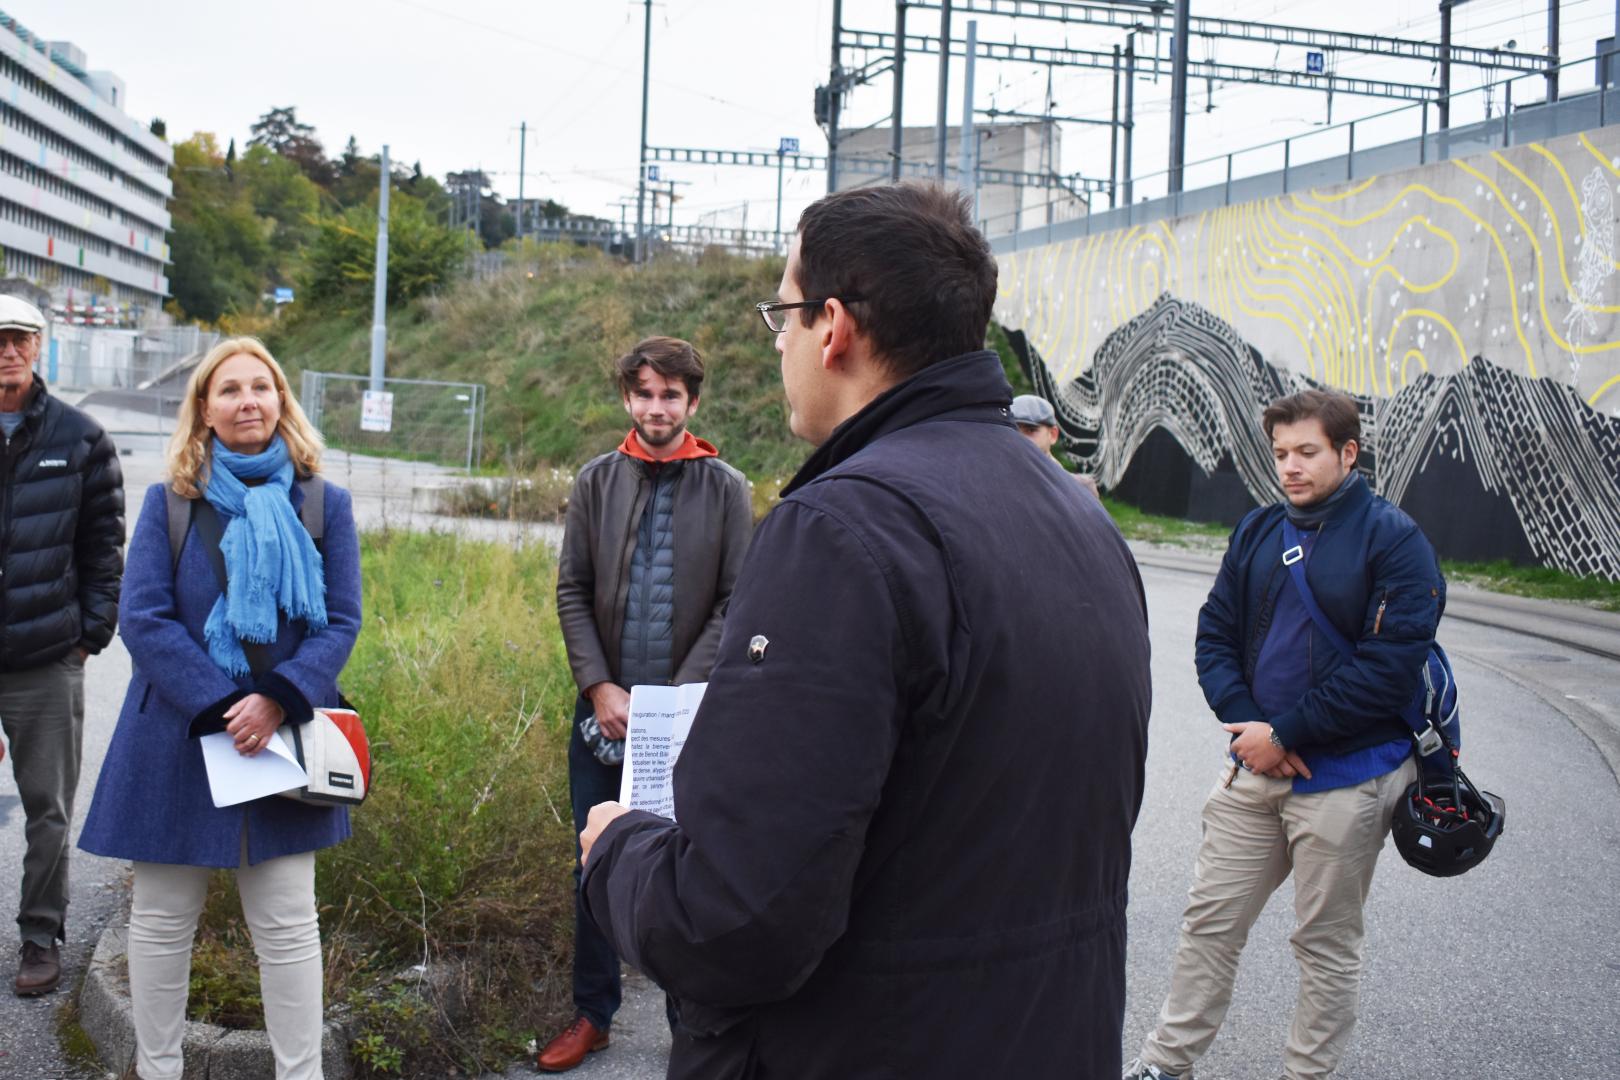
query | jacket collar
(35,405)
(972,385)
(691,448)
(1351,496)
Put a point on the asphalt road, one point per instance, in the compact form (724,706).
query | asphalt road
(1508,973)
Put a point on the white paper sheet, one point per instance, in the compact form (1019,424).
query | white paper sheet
(234,779)
(660,720)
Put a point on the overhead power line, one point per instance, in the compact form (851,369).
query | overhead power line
(1130,18)
(871,41)
(868,167)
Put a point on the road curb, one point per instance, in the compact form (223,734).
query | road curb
(211,1052)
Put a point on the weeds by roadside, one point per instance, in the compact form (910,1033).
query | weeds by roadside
(541,495)
(1154,529)
(447,918)
(1535,581)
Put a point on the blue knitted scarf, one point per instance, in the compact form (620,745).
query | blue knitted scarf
(270,560)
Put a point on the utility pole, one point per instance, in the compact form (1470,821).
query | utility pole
(1608,66)
(1553,49)
(835,95)
(896,131)
(379,295)
(1178,97)
(1130,114)
(944,85)
(970,145)
(781,160)
(523,150)
(641,158)
(1445,64)
(1113,142)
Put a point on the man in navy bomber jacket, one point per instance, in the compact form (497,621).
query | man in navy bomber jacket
(1320,755)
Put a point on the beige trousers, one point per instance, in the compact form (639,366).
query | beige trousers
(1257,832)
(278,901)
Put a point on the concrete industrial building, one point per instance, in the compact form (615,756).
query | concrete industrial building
(84,187)
(1034,149)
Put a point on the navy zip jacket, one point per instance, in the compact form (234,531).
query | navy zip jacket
(904,833)
(1375,577)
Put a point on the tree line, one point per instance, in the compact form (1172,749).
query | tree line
(281,213)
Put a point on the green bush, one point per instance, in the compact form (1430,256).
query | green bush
(339,267)
(461,856)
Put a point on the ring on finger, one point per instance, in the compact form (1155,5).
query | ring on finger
(253,737)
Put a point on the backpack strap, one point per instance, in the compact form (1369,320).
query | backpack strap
(313,512)
(1294,558)
(179,524)
(1428,737)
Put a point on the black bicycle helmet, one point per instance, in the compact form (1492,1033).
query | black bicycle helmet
(1445,828)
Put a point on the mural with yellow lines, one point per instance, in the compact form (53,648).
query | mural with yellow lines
(1392,289)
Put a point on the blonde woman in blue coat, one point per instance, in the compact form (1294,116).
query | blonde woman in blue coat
(242,443)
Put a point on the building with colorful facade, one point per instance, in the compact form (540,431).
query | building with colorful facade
(84,187)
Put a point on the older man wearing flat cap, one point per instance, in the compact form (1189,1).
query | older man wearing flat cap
(1037,421)
(61,559)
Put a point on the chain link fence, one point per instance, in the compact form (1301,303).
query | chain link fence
(440,422)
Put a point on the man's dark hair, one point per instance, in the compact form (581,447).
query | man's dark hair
(670,357)
(1338,413)
(925,276)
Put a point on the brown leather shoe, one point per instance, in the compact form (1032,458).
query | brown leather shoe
(569,1049)
(39,971)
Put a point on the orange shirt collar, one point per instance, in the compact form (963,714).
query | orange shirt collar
(691,447)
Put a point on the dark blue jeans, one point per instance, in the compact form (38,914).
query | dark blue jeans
(596,965)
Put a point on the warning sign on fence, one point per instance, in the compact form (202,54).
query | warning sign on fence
(377,411)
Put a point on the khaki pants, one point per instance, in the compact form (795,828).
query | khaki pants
(278,901)
(1257,832)
(42,711)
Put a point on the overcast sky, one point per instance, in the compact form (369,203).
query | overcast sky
(447,83)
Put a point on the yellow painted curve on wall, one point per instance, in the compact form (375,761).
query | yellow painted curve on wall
(1339,273)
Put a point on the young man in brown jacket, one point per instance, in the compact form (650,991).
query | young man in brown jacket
(655,535)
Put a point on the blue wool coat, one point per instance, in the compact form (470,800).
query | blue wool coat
(152,802)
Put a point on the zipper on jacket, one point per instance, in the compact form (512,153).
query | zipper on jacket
(649,522)
(1378,620)
(5,521)
(1262,622)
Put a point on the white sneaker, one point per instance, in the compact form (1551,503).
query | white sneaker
(1141,1070)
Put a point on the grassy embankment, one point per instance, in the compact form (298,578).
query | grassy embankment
(544,346)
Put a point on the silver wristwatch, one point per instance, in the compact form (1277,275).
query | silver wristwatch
(1276,741)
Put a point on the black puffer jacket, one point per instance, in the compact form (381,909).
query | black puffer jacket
(61,535)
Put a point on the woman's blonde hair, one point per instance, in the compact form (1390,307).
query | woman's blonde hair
(191,448)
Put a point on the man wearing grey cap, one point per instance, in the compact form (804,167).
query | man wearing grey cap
(61,559)
(1037,420)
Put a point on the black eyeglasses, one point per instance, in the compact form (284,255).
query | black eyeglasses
(771,310)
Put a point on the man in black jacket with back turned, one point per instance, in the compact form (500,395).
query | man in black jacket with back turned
(61,560)
(905,819)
